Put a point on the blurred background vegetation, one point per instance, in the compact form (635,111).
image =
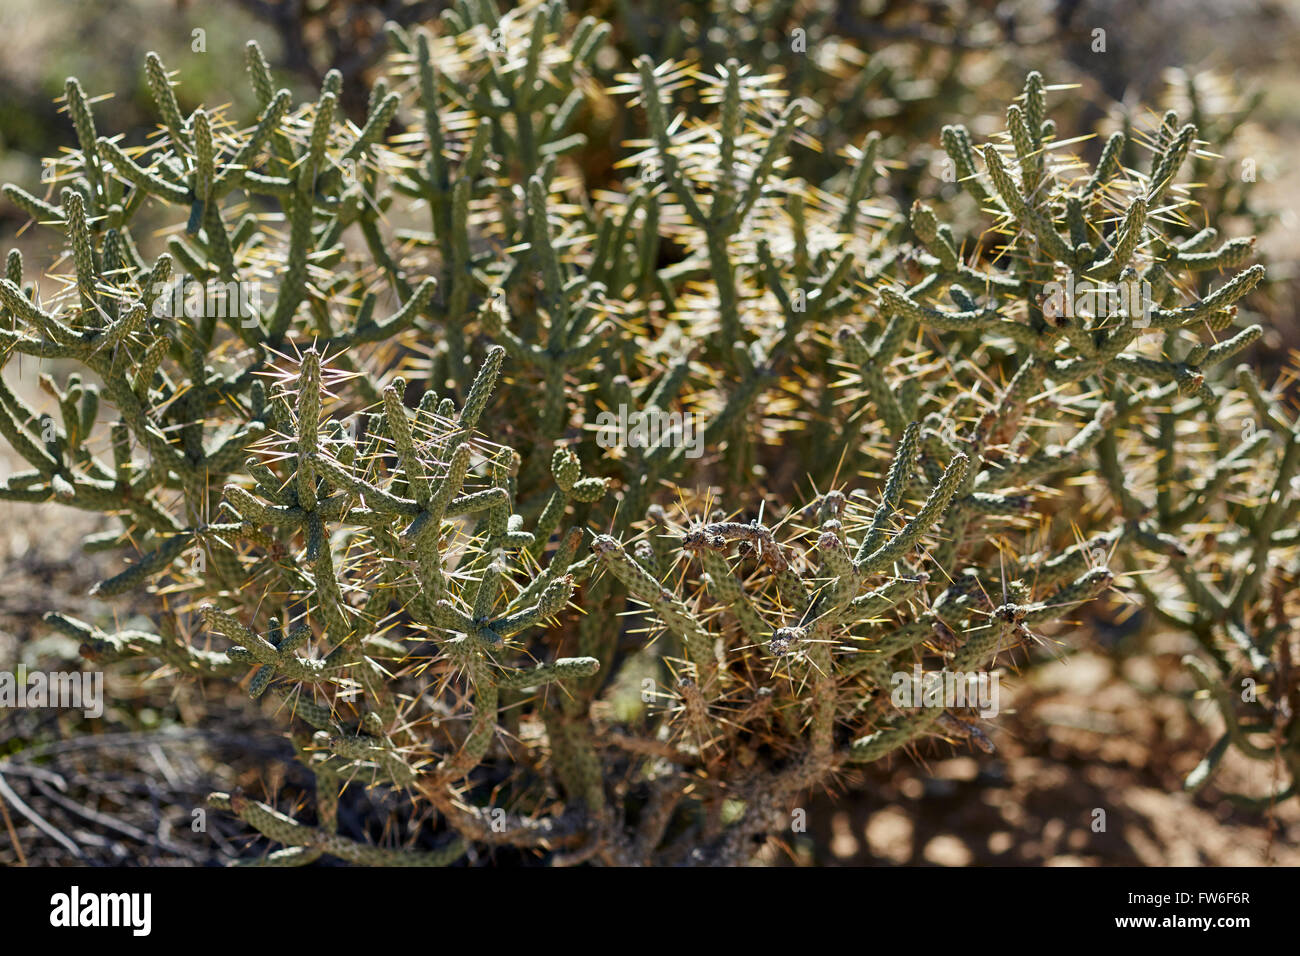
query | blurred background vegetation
(1094,728)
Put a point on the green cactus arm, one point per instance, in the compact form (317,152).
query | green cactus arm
(674,614)
(282,828)
(930,512)
(565,668)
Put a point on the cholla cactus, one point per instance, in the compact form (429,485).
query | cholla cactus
(1221,501)
(424,553)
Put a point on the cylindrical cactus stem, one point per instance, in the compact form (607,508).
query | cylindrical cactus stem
(930,512)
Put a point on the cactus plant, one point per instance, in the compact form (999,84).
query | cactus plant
(379,495)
